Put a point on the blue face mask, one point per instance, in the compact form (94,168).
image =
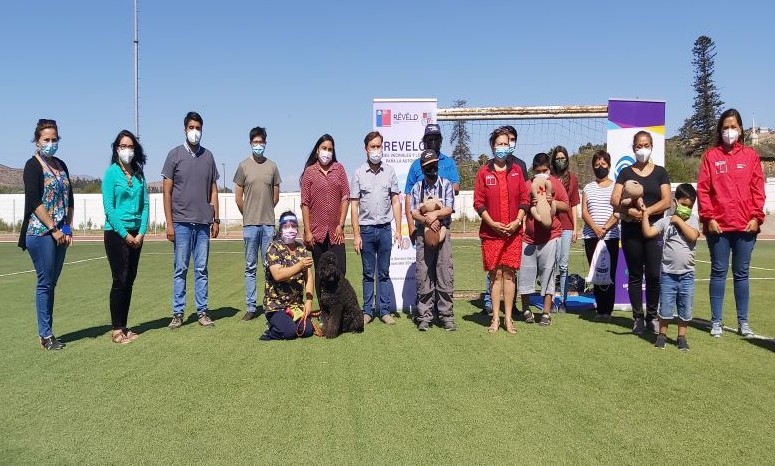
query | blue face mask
(49,149)
(502,152)
(258,150)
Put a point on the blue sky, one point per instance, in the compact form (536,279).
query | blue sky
(303,69)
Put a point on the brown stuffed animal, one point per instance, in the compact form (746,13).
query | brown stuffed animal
(632,192)
(543,212)
(433,238)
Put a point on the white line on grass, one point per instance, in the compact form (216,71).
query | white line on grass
(66,263)
(750,266)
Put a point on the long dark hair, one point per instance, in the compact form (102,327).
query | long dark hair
(564,176)
(729,113)
(313,155)
(138,162)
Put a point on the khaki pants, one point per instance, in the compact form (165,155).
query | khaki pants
(435,279)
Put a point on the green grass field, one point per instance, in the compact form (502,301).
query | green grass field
(575,392)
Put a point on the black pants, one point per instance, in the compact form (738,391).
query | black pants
(604,294)
(280,326)
(123,260)
(337,250)
(644,257)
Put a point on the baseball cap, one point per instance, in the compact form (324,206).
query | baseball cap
(432,128)
(428,156)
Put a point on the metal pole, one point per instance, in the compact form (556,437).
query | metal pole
(137,86)
(224,176)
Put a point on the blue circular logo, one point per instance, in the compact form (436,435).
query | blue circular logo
(624,162)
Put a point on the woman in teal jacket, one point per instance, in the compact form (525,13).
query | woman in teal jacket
(125,198)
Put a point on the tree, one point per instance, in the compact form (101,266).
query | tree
(698,131)
(460,138)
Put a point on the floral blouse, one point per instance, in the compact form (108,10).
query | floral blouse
(56,191)
(280,295)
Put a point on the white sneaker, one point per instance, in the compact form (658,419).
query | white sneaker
(716,329)
(744,330)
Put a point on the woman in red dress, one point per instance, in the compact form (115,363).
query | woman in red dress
(501,199)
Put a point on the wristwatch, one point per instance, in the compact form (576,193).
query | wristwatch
(53,229)
(217,221)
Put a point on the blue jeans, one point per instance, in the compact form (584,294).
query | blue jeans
(487,297)
(741,246)
(563,254)
(255,237)
(676,290)
(190,238)
(375,258)
(48,259)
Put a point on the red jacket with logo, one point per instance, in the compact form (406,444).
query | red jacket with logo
(487,197)
(730,187)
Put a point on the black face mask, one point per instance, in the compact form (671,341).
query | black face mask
(433,142)
(431,173)
(601,172)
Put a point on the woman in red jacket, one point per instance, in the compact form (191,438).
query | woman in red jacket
(730,190)
(500,198)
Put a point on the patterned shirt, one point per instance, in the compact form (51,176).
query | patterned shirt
(442,189)
(323,193)
(280,295)
(55,194)
(600,209)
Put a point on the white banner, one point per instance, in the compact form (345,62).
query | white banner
(402,124)
(625,118)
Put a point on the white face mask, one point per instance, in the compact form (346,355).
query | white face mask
(194,136)
(288,235)
(375,156)
(126,155)
(325,157)
(542,176)
(730,136)
(642,155)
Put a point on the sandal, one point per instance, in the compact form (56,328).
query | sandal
(494,326)
(528,315)
(130,335)
(510,327)
(118,337)
(546,320)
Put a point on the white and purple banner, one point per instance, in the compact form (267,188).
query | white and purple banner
(625,118)
(402,125)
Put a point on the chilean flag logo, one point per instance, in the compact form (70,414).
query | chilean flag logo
(383,118)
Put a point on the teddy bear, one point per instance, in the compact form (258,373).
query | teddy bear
(542,212)
(433,238)
(632,194)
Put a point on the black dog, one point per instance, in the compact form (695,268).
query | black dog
(338,304)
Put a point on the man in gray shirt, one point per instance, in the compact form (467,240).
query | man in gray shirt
(256,191)
(191,212)
(374,203)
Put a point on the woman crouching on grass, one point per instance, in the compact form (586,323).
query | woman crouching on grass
(289,284)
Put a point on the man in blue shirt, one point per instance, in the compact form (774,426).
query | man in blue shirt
(447,169)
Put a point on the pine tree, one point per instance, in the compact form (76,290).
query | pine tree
(460,138)
(698,131)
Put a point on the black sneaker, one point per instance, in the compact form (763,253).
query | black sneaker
(423,326)
(249,316)
(528,316)
(683,345)
(177,321)
(59,341)
(450,326)
(661,341)
(51,343)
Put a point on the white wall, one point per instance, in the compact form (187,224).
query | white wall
(88,207)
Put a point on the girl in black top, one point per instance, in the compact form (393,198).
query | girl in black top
(643,255)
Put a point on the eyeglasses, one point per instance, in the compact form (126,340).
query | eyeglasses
(126,146)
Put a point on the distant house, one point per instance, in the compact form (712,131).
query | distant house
(761,134)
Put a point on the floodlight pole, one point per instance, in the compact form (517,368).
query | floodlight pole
(136,44)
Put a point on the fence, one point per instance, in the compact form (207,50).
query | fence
(89,213)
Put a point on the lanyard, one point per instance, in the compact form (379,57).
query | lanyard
(58,179)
